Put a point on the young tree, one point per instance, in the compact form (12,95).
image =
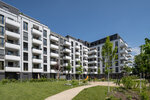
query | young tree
(108,56)
(99,71)
(127,70)
(68,68)
(79,70)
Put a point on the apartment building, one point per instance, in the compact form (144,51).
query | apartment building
(29,49)
(79,55)
(123,55)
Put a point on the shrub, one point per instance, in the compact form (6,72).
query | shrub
(144,96)
(85,81)
(5,81)
(103,79)
(13,80)
(129,97)
(129,83)
(74,82)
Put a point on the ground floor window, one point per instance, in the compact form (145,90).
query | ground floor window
(1,65)
(25,66)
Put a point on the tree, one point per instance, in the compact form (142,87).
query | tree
(127,70)
(79,70)
(108,56)
(99,70)
(68,68)
(142,61)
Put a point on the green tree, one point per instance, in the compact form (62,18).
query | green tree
(108,56)
(79,70)
(127,70)
(68,68)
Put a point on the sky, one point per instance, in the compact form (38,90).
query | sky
(91,20)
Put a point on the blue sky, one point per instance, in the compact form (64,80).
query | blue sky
(92,19)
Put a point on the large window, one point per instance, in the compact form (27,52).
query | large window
(25,26)
(25,36)
(45,67)
(25,66)
(45,33)
(25,56)
(25,46)
(1,30)
(1,65)
(1,19)
(1,42)
(45,42)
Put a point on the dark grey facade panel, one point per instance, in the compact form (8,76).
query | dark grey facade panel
(9,8)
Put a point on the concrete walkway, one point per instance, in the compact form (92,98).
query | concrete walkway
(71,93)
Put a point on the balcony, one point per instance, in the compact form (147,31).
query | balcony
(93,72)
(37,41)
(93,67)
(123,51)
(86,61)
(67,50)
(129,55)
(66,43)
(54,46)
(92,51)
(84,72)
(85,50)
(129,50)
(53,71)
(12,46)
(65,64)
(123,45)
(54,38)
(77,59)
(123,64)
(85,55)
(77,47)
(91,62)
(36,32)
(12,57)
(123,58)
(92,56)
(38,51)
(67,58)
(12,22)
(77,53)
(36,60)
(54,55)
(53,62)
(12,69)
(13,34)
(37,70)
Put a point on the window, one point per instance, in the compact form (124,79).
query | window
(45,59)
(25,56)
(1,65)
(45,33)
(117,69)
(116,63)
(45,51)
(116,44)
(72,43)
(72,63)
(10,64)
(45,67)
(1,30)
(25,66)
(25,26)
(98,48)
(25,46)
(71,50)
(1,42)
(1,19)
(25,36)
(45,42)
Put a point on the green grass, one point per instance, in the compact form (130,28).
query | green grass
(93,93)
(31,91)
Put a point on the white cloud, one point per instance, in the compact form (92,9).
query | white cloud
(136,50)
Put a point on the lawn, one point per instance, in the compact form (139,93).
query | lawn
(93,93)
(31,90)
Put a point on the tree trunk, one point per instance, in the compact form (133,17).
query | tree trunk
(108,83)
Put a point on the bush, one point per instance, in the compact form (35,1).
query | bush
(74,82)
(103,79)
(129,82)
(5,81)
(144,96)
(85,81)
(13,80)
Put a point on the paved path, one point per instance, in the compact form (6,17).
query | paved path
(71,93)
